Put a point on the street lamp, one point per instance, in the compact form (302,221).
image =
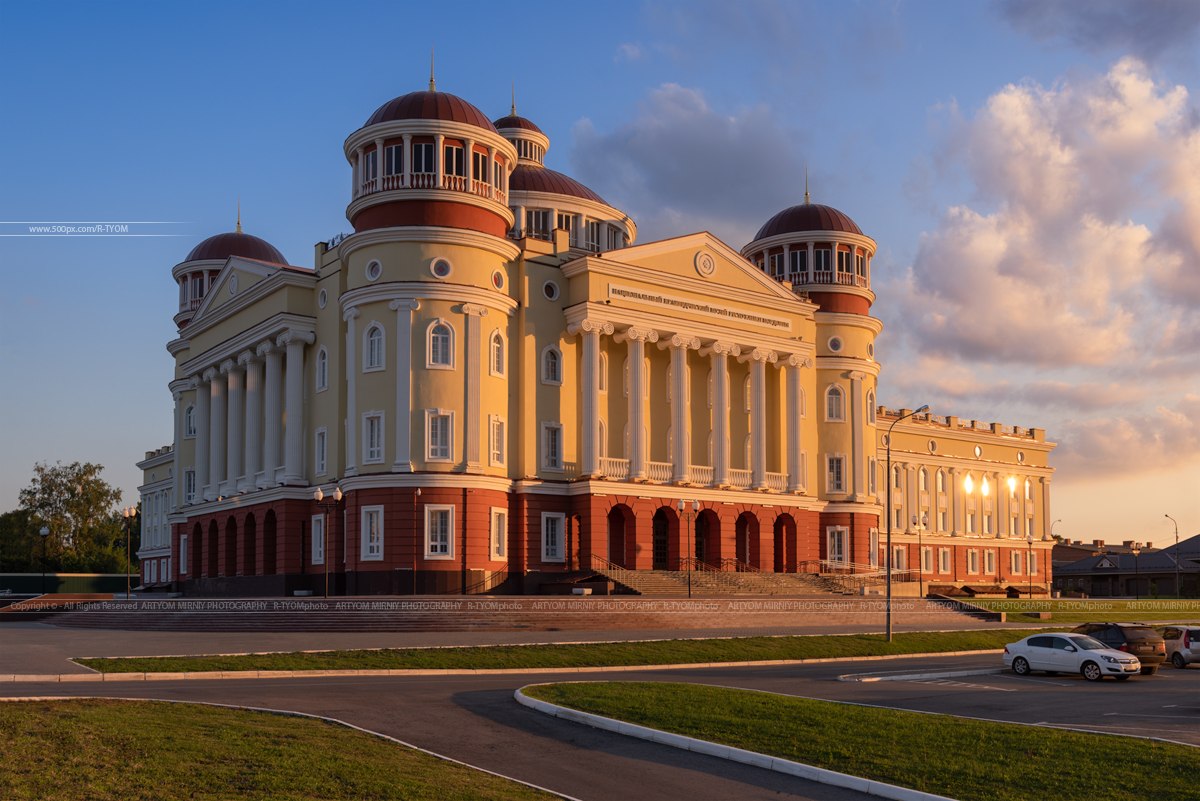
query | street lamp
(1178,590)
(129,513)
(330,505)
(1029,562)
(1052,525)
(1137,577)
(920,525)
(689,513)
(887,513)
(44,532)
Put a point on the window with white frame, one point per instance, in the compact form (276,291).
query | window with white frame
(439,531)
(821,260)
(440,352)
(799,263)
(941,520)
(422,156)
(593,235)
(537,223)
(453,162)
(189,487)
(843,261)
(439,434)
(553,535)
(944,557)
(926,559)
(970,522)
(603,383)
(322,369)
(1014,526)
(872,476)
(1033,563)
(373,348)
(497,443)
(871,407)
(372,434)
(552,457)
(777,265)
(370,167)
(835,473)
(480,166)
(989,561)
(551,365)
(318,539)
(873,547)
(499,533)
(899,558)
(613,238)
(183,554)
(1029,526)
(835,544)
(393,159)
(320,450)
(923,480)
(899,524)
(371,522)
(835,404)
(189,421)
(497,365)
(973,561)
(941,481)
(897,477)
(1014,566)
(987,524)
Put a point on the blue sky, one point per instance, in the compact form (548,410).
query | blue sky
(1030,170)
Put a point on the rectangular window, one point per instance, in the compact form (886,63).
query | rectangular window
(836,479)
(777,265)
(799,264)
(393,159)
(422,154)
(566,222)
(899,524)
(537,223)
(1014,527)
(454,163)
(899,558)
(439,532)
(499,531)
(497,441)
(372,534)
(1029,526)
(970,522)
(821,260)
(1033,563)
(183,553)
(835,543)
(479,166)
(860,266)
(989,561)
(189,421)
(167,569)
(873,548)
(152,571)
(843,261)
(926,559)
(438,434)
(872,472)
(593,235)
(941,518)
(370,166)
(552,537)
(944,556)
(318,539)
(373,438)
(987,524)
(973,561)
(189,487)
(319,452)
(552,458)
(1014,566)
(613,238)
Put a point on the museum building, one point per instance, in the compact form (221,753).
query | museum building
(490,384)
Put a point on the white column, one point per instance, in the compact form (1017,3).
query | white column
(350,315)
(954,501)
(253,460)
(293,443)
(216,432)
(272,412)
(910,496)
(681,435)
(407,171)
(379,165)
(469,155)
(359,171)
(1045,482)
(439,159)
(635,339)
(471,425)
(758,359)
(235,440)
(796,479)
(589,450)
(404,314)
(857,421)
(203,423)
(810,269)
(720,353)
(177,466)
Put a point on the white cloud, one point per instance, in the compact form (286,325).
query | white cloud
(1147,28)
(629,51)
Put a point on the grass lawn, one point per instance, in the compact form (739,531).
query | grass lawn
(662,652)
(963,759)
(131,750)
(1088,610)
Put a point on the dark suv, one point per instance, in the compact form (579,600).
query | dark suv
(1133,638)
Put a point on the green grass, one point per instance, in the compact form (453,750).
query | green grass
(130,751)
(661,652)
(963,759)
(1087,610)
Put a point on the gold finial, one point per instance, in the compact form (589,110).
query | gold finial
(432,85)
(807,198)
(239,212)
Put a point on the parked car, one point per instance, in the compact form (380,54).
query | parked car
(1138,639)
(1069,653)
(1182,643)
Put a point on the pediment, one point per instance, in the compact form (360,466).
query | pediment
(237,276)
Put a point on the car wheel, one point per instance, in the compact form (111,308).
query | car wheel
(1178,661)
(1149,671)
(1091,671)
(1020,666)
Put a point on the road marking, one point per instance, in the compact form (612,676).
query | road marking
(969,685)
(1127,715)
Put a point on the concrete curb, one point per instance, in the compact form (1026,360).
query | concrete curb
(203,675)
(936,674)
(785,766)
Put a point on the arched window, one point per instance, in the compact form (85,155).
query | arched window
(871,407)
(835,404)
(322,369)
(551,365)
(440,345)
(941,481)
(603,372)
(923,480)
(896,474)
(1028,490)
(189,421)
(373,347)
(497,361)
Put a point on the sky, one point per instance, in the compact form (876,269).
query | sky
(1029,168)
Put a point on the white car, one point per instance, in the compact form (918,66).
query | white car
(1069,653)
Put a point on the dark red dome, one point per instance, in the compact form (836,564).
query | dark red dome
(235,243)
(431,106)
(807,217)
(534,178)
(513,121)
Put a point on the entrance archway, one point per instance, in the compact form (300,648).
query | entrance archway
(230,566)
(660,542)
(269,544)
(745,544)
(250,547)
(708,537)
(196,565)
(785,544)
(620,535)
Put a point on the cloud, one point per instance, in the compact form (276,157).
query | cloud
(1146,28)
(629,51)
(1156,440)
(679,166)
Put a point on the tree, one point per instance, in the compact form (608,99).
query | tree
(77,505)
(20,551)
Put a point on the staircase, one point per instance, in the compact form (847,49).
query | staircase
(707,580)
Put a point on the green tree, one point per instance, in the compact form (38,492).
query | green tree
(20,546)
(77,505)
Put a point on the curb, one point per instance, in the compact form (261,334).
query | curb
(941,674)
(753,758)
(209,675)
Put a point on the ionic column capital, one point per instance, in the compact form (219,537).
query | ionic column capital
(245,357)
(760,355)
(722,349)
(208,375)
(264,348)
(685,341)
(474,310)
(408,304)
(637,333)
(293,336)
(856,375)
(590,324)
(796,360)
(351,313)
(227,366)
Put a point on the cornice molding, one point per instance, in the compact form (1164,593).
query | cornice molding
(268,329)
(421,127)
(425,234)
(841,237)
(493,205)
(417,291)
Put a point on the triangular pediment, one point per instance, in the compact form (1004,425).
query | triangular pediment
(237,276)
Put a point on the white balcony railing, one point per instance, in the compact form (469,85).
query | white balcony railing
(777,481)
(614,468)
(658,472)
(739,478)
(700,474)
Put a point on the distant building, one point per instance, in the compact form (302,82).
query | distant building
(1116,571)
(508,387)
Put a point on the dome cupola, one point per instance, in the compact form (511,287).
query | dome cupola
(821,252)
(200,268)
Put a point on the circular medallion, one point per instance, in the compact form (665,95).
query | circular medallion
(706,265)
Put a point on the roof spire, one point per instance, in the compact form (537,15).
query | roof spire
(432,85)
(513,112)
(807,198)
(239,214)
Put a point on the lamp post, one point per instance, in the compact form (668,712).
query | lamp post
(129,513)
(689,513)
(327,506)
(887,513)
(1178,589)
(44,533)
(1052,525)
(920,525)
(1029,562)
(416,549)
(1137,576)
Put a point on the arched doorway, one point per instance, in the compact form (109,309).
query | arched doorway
(230,566)
(268,549)
(210,569)
(620,534)
(250,547)
(785,544)
(745,542)
(708,537)
(196,565)
(660,541)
